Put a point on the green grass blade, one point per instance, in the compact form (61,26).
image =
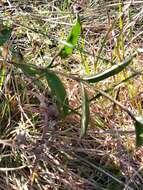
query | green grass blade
(2,74)
(85,112)
(121,36)
(84,58)
(109,72)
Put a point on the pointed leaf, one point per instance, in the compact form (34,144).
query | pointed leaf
(58,91)
(54,82)
(109,72)
(71,40)
(31,70)
(28,70)
(139,130)
(85,112)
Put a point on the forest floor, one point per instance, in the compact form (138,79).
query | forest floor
(38,153)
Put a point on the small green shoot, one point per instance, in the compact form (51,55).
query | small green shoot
(71,39)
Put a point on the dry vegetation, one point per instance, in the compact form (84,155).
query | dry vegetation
(39,148)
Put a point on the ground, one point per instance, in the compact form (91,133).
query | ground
(41,144)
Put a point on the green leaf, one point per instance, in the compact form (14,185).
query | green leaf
(85,112)
(58,91)
(139,130)
(28,69)
(109,72)
(31,70)
(54,82)
(72,40)
(5,35)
